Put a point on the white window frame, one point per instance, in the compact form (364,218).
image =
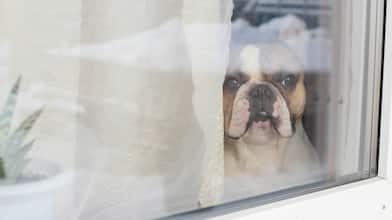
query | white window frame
(368,199)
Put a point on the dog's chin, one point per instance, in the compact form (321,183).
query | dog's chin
(260,132)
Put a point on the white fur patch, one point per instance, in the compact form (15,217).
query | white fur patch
(250,62)
(239,118)
(284,128)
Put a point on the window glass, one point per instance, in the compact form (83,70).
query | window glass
(149,109)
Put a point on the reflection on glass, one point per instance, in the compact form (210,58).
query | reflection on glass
(155,108)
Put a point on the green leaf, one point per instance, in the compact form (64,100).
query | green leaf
(7,114)
(14,170)
(16,139)
(18,152)
(13,151)
(16,162)
(2,169)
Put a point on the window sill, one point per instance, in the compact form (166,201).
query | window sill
(368,199)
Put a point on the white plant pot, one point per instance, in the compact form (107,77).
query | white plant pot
(35,198)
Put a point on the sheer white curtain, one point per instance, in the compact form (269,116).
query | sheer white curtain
(29,30)
(207,28)
(150,80)
(132,91)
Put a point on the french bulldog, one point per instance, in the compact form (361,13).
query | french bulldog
(264,97)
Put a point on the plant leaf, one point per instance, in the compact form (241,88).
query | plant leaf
(15,162)
(2,169)
(14,170)
(14,153)
(16,139)
(8,112)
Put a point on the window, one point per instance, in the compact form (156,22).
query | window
(154,109)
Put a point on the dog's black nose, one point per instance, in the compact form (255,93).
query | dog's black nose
(261,91)
(262,98)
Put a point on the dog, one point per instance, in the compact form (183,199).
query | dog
(264,98)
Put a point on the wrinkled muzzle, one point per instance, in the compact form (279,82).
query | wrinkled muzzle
(257,103)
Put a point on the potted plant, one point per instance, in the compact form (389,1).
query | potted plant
(27,186)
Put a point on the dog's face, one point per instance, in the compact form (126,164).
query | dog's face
(264,93)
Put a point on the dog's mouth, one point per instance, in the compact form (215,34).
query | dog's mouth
(262,117)
(261,120)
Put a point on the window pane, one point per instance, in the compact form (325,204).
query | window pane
(151,109)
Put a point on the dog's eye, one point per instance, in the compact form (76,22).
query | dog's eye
(232,84)
(289,81)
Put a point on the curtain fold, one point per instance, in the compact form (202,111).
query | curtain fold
(150,82)
(207,30)
(133,95)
